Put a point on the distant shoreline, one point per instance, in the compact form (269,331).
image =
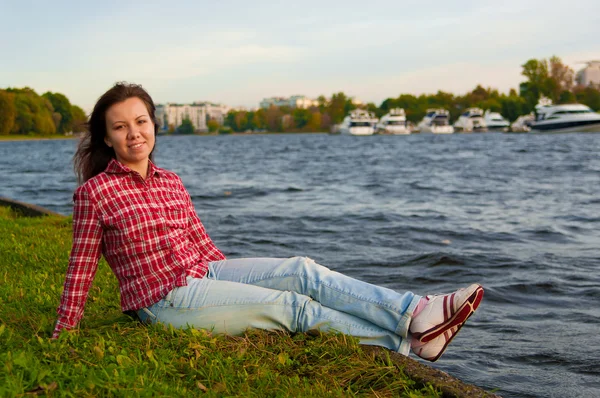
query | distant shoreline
(37,137)
(71,137)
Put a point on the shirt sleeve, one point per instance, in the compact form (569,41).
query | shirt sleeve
(83,262)
(198,234)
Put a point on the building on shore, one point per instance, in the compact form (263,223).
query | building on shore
(590,75)
(170,116)
(161,117)
(295,101)
(274,101)
(300,101)
(214,111)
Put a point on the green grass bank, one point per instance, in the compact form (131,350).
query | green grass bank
(112,355)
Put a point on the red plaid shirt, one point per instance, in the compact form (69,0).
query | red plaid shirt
(147,230)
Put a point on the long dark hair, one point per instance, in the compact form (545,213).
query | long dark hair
(93,155)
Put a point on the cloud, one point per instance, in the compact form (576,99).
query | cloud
(238,54)
(191,61)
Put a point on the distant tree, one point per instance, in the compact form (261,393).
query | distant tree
(46,114)
(339,106)
(230,119)
(322,103)
(371,107)
(388,104)
(24,120)
(513,106)
(56,117)
(286,110)
(79,119)
(186,127)
(62,106)
(562,78)
(314,123)
(250,121)
(589,96)
(566,97)
(225,130)
(301,117)
(510,106)
(493,104)
(326,122)
(33,113)
(484,98)
(550,78)
(410,104)
(240,121)
(259,119)
(273,118)
(479,94)
(441,99)
(212,125)
(8,112)
(336,107)
(537,83)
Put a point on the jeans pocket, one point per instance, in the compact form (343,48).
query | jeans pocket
(167,301)
(146,316)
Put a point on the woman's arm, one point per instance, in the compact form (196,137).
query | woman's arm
(198,234)
(83,262)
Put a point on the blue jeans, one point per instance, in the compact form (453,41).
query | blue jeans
(294,294)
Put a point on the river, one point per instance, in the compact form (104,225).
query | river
(428,213)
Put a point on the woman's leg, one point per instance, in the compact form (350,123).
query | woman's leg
(374,304)
(232,307)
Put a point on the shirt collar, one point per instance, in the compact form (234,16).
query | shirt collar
(116,167)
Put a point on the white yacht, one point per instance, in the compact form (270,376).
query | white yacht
(393,122)
(436,121)
(494,121)
(471,120)
(565,118)
(358,122)
(523,123)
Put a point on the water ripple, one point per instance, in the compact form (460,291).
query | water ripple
(426,213)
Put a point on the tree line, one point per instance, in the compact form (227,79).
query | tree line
(548,77)
(24,112)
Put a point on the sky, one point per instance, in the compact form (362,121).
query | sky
(239,52)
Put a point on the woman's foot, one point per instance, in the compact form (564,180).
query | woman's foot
(433,350)
(445,312)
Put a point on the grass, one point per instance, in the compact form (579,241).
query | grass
(112,355)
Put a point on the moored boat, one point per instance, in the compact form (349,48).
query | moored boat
(393,122)
(495,122)
(565,118)
(436,121)
(471,121)
(358,122)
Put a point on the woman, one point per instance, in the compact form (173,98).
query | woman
(141,218)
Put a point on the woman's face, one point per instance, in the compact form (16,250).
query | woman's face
(130,132)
